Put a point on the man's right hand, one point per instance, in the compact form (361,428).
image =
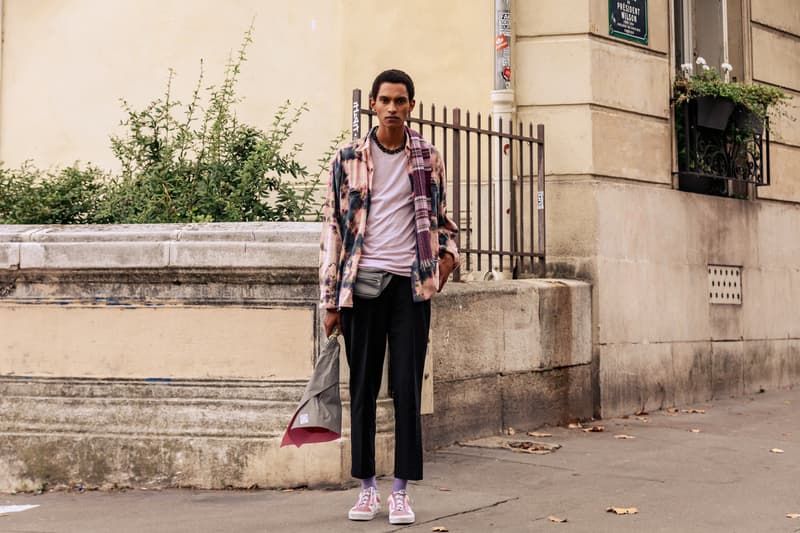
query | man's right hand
(333,322)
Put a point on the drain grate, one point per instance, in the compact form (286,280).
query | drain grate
(725,284)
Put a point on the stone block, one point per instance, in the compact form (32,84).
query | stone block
(243,254)
(632,146)
(769,300)
(692,371)
(9,255)
(552,397)
(778,246)
(775,58)
(551,17)
(763,365)
(99,233)
(568,139)
(572,218)
(17,232)
(727,367)
(101,255)
(727,322)
(554,71)
(645,78)
(781,14)
(785,161)
(641,301)
(635,376)
(565,324)
(157,341)
(791,363)
(464,409)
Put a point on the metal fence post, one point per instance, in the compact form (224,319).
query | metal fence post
(540,200)
(455,171)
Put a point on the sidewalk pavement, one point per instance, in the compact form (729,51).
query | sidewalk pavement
(732,468)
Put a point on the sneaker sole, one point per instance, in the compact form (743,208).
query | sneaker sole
(401,520)
(361,516)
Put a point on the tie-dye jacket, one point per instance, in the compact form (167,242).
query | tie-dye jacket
(343,228)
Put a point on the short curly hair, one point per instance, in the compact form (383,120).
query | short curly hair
(392,76)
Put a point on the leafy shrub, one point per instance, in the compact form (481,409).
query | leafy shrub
(193,163)
(72,195)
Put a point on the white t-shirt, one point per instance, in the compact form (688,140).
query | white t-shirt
(390,242)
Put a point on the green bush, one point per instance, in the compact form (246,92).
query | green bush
(69,196)
(180,164)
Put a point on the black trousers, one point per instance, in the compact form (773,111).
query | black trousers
(366,327)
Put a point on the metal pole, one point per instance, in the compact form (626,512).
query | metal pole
(540,200)
(455,171)
(502,112)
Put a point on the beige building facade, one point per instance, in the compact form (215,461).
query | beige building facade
(654,333)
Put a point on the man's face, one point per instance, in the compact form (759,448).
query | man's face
(392,105)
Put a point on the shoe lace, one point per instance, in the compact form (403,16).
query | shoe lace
(400,501)
(363,500)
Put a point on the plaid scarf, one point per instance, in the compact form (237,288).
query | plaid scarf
(421,177)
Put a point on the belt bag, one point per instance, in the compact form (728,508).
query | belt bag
(370,283)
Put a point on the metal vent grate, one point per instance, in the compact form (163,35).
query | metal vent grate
(725,284)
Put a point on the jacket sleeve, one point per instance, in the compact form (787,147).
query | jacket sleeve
(330,240)
(448,230)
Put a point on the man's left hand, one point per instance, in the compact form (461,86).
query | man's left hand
(446,266)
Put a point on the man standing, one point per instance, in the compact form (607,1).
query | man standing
(387,247)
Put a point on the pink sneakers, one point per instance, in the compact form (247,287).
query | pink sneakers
(367,506)
(399,509)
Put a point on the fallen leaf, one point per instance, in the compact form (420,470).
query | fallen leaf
(624,437)
(511,431)
(641,412)
(694,430)
(594,429)
(793,515)
(539,435)
(673,410)
(622,510)
(643,419)
(575,425)
(776,450)
(556,519)
(444,489)
(694,411)
(439,528)
(527,446)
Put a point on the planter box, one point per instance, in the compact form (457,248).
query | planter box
(714,112)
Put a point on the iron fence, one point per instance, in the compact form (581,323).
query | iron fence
(496,185)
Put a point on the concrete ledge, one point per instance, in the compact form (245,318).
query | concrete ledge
(257,244)
(77,406)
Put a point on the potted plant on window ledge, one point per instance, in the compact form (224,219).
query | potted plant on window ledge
(717,99)
(719,125)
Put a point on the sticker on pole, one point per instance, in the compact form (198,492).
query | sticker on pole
(501,42)
(540,199)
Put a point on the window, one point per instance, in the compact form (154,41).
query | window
(708,161)
(711,29)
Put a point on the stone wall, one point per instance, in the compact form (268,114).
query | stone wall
(166,355)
